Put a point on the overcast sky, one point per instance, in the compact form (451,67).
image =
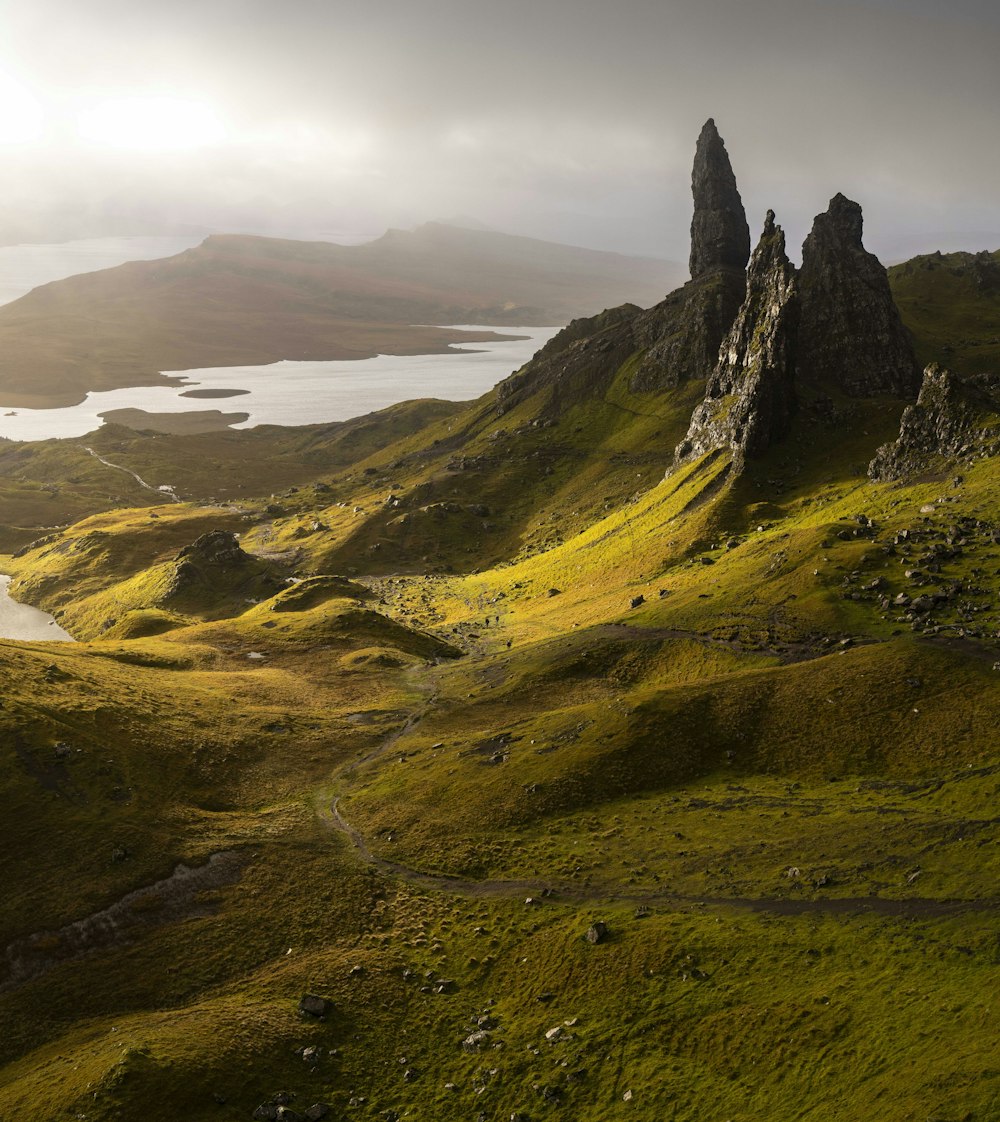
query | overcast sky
(573,120)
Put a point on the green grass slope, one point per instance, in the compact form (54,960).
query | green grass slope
(701,719)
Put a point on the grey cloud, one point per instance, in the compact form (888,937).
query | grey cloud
(569,119)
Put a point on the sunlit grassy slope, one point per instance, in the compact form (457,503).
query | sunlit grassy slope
(482,683)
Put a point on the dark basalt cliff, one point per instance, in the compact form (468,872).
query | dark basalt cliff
(851,335)
(750,399)
(952,422)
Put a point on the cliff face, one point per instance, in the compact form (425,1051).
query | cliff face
(952,422)
(851,335)
(750,397)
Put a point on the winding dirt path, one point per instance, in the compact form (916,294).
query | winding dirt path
(539,889)
(163,492)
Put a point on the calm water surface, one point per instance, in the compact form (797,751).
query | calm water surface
(299,393)
(282,393)
(19,621)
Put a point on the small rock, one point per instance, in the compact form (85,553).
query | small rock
(597,932)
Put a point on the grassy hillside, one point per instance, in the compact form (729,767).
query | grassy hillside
(572,788)
(951,302)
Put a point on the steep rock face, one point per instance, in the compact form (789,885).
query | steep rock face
(952,421)
(682,335)
(851,335)
(750,397)
(720,236)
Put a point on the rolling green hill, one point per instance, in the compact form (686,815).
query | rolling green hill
(496,761)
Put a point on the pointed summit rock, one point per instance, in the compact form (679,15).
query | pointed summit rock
(750,398)
(720,236)
(681,336)
(851,335)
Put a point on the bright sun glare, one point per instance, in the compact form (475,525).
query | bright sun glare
(151,124)
(20,113)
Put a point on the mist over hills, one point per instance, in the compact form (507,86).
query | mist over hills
(622,742)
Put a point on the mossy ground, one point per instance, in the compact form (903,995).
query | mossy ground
(776,790)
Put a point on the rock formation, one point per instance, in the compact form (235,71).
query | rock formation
(750,397)
(952,422)
(682,335)
(720,236)
(851,335)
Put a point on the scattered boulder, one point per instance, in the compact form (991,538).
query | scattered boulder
(597,932)
(315,1006)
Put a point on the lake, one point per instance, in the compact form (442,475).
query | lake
(300,393)
(20,621)
(281,393)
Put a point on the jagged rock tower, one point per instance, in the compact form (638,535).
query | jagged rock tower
(750,398)
(852,338)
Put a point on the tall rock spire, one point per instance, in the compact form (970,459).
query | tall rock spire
(720,236)
(851,335)
(681,336)
(750,397)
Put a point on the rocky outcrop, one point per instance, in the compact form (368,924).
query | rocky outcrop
(680,337)
(720,236)
(952,422)
(577,363)
(851,335)
(750,398)
(217,547)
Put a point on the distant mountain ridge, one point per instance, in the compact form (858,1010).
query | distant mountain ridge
(240,299)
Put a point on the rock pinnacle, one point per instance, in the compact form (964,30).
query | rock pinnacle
(720,236)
